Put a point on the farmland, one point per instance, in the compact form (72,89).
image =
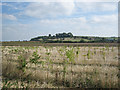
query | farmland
(70,38)
(60,66)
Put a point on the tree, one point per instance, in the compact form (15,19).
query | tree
(70,34)
(49,35)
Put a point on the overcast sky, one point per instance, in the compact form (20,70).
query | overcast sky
(25,20)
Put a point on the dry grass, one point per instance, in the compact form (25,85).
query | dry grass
(91,72)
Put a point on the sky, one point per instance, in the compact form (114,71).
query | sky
(26,20)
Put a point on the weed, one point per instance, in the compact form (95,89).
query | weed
(22,63)
(88,54)
(35,57)
(71,56)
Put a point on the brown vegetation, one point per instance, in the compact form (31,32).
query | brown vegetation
(52,67)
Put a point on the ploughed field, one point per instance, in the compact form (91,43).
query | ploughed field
(60,66)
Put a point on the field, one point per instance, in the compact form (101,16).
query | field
(62,66)
(38,43)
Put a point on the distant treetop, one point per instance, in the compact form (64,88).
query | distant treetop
(63,35)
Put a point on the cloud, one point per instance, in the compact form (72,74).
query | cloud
(12,6)
(95,19)
(96,7)
(49,9)
(49,20)
(60,0)
(105,18)
(108,6)
(44,10)
(68,20)
(17,32)
(9,17)
(102,25)
(95,25)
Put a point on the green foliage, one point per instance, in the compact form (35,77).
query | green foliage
(64,70)
(88,54)
(107,48)
(84,56)
(48,53)
(22,63)
(34,58)
(77,52)
(85,77)
(7,84)
(61,38)
(49,61)
(103,55)
(70,55)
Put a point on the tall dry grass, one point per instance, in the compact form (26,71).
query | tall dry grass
(89,73)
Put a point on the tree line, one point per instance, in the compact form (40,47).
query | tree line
(60,38)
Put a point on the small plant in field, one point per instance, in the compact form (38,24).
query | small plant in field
(61,52)
(42,63)
(35,57)
(107,48)
(56,76)
(49,62)
(22,63)
(95,71)
(88,54)
(77,54)
(16,84)
(16,50)
(94,50)
(27,48)
(65,62)
(71,56)
(7,84)
(103,49)
(84,56)
(112,49)
(93,55)
(103,55)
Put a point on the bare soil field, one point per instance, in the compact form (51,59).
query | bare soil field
(38,43)
(53,66)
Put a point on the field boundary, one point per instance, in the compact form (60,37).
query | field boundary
(37,43)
